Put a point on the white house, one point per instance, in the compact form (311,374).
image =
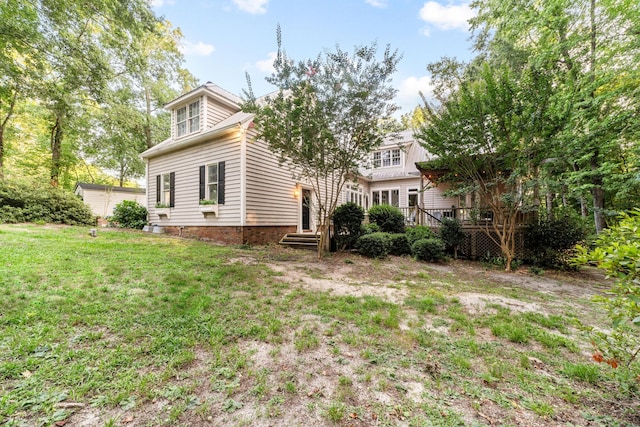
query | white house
(212,179)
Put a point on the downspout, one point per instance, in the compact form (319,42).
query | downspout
(243,174)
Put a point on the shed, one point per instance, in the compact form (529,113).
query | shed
(103,198)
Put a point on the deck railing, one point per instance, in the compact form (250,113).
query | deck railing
(433,217)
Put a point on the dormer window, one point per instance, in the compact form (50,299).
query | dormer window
(188,119)
(386,158)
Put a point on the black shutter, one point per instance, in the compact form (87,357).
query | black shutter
(158,189)
(221,183)
(202,182)
(172,189)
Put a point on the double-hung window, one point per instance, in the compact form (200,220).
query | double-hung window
(212,183)
(386,158)
(188,119)
(165,190)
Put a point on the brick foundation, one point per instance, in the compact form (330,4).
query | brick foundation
(233,235)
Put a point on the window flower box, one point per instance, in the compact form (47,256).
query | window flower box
(208,209)
(163,212)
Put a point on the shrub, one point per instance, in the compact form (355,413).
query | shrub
(389,218)
(419,232)
(399,244)
(374,245)
(370,228)
(452,235)
(347,223)
(428,249)
(617,253)
(130,214)
(28,203)
(549,242)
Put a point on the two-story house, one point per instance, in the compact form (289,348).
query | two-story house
(212,179)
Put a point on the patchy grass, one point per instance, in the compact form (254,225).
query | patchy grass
(131,326)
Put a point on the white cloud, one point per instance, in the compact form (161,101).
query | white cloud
(254,7)
(196,49)
(266,65)
(377,3)
(408,96)
(449,17)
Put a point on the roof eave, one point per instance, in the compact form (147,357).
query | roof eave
(188,142)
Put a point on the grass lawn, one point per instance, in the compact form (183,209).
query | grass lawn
(144,330)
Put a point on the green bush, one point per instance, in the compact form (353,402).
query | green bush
(129,214)
(374,245)
(452,235)
(617,253)
(428,249)
(549,242)
(28,203)
(419,232)
(399,244)
(389,218)
(370,228)
(347,225)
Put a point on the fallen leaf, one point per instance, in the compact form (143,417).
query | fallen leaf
(128,419)
(60,423)
(354,415)
(27,374)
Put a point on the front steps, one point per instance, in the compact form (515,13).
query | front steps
(301,240)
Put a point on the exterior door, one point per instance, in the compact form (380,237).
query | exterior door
(306,210)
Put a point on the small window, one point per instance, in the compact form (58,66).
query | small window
(188,119)
(166,189)
(386,158)
(212,182)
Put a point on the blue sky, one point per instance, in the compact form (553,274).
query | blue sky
(225,38)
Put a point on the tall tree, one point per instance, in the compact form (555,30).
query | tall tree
(593,46)
(327,115)
(483,134)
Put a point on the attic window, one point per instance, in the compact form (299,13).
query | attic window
(188,119)
(386,158)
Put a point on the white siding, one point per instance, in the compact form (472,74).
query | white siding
(270,188)
(216,112)
(186,163)
(434,198)
(102,202)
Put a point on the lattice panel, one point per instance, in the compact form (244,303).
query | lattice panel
(485,246)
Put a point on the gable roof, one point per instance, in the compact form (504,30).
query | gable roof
(100,187)
(212,90)
(232,122)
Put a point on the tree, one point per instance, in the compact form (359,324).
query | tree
(327,115)
(483,135)
(592,46)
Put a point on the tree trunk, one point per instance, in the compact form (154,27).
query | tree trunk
(147,125)
(3,126)
(56,151)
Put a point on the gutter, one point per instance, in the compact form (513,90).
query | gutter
(160,150)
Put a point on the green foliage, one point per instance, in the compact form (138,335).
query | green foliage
(369,228)
(548,242)
(130,214)
(347,223)
(374,245)
(617,253)
(428,249)
(399,244)
(389,218)
(23,203)
(452,235)
(419,232)
(327,115)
